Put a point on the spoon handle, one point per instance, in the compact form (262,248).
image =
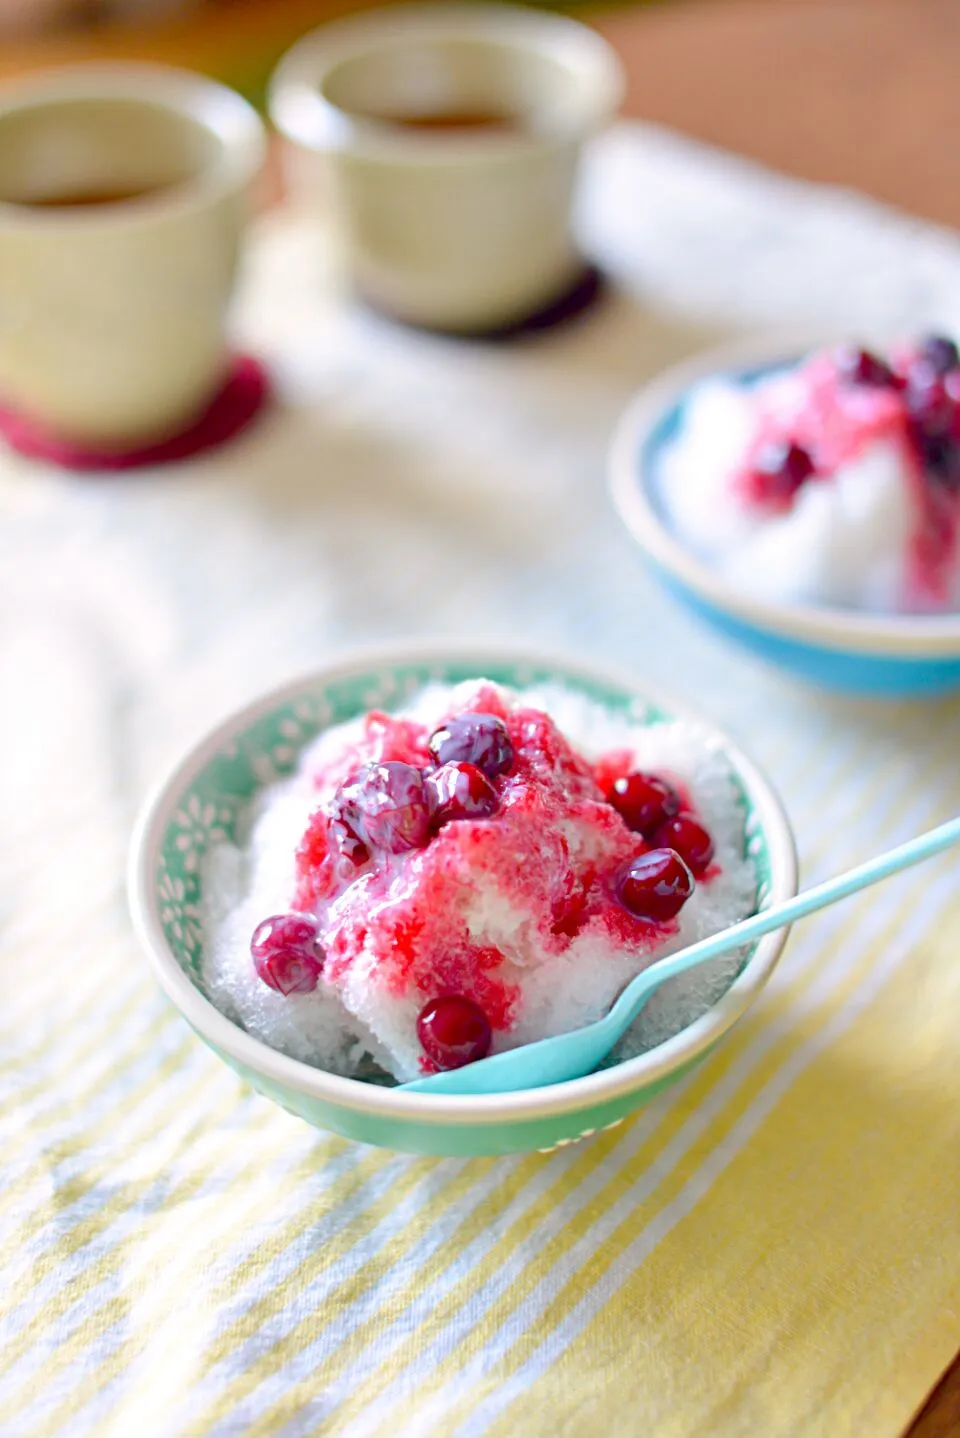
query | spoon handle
(861,877)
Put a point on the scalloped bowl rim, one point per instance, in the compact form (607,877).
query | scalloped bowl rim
(908,636)
(392,1103)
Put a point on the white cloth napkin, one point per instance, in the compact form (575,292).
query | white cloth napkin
(404,485)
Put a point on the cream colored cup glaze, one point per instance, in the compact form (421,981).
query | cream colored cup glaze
(112,316)
(453,230)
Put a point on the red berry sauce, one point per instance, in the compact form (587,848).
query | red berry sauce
(407,844)
(825,413)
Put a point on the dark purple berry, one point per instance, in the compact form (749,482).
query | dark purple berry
(385,807)
(480,739)
(459,791)
(286,954)
(861,367)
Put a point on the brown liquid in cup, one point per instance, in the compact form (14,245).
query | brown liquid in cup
(84,199)
(448,121)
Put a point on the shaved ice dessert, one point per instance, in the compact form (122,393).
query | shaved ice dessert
(834,481)
(482,869)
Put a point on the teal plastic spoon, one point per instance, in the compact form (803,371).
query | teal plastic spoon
(572,1055)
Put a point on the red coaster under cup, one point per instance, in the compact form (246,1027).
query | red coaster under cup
(240,398)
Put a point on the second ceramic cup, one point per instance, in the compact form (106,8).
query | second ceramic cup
(451,136)
(122,200)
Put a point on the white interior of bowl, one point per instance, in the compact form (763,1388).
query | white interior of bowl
(597,1088)
(912,636)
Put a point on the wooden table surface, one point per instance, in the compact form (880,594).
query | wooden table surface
(852,92)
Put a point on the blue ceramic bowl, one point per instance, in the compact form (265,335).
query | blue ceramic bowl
(204,800)
(896,655)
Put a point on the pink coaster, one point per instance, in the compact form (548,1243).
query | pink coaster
(242,395)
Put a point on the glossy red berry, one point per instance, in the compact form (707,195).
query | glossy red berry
(385,807)
(940,457)
(343,832)
(480,739)
(454,1031)
(286,954)
(688,838)
(643,801)
(459,791)
(655,885)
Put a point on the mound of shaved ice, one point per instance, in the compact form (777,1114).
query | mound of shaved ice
(516,911)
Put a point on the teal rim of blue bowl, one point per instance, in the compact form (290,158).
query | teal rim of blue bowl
(203,801)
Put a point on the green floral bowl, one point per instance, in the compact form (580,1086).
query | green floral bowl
(202,802)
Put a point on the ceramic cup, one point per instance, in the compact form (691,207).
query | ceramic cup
(450,137)
(122,198)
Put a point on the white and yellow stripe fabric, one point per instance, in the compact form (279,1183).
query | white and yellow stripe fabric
(769,1250)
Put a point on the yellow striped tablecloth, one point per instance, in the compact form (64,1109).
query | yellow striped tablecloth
(770,1249)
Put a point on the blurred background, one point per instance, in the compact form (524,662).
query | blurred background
(854,92)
